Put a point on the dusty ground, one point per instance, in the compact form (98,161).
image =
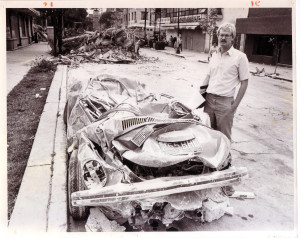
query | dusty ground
(262,139)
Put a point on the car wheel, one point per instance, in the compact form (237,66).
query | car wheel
(75,184)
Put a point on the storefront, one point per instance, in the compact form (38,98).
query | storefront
(19,27)
(268,36)
(192,36)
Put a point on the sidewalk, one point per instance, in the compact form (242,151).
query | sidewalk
(18,62)
(41,205)
(285,73)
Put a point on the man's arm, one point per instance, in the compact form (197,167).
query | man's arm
(205,83)
(240,95)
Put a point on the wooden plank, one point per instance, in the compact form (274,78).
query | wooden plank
(239,194)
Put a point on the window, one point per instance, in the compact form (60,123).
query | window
(175,12)
(219,11)
(143,16)
(23,26)
(169,12)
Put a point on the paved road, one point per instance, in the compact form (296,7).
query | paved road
(262,139)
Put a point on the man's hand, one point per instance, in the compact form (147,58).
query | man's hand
(240,95)
(203,89)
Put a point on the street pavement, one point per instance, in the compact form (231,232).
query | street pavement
(284,73)
(18,62)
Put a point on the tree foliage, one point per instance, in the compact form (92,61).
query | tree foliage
(72,15)
(209,24)
(60,18)
(111,19)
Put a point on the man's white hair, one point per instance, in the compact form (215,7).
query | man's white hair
(227,27)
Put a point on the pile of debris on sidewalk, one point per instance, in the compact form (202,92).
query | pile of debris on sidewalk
(110,46)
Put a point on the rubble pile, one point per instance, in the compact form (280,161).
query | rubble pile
(110,46)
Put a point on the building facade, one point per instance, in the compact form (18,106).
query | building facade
(194,36)
(137,19)
(19,27)
(96,17)
(268,35)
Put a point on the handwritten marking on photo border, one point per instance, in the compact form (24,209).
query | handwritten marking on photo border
(255,3)
(46,3)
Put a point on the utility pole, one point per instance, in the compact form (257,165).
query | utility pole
(159,25)
(145,21)
(178,22)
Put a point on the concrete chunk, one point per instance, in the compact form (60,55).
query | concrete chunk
(214,210)
(97,221)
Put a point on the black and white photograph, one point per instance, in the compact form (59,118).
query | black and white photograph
(139,120)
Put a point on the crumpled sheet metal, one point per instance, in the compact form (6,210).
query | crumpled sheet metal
(183,201)
(215,149)
(86,152)
(112,91)
(129,94)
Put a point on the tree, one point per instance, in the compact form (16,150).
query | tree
(56,20)
(278,43)
(111,19)
(60,18)
(208,24)
(72,15)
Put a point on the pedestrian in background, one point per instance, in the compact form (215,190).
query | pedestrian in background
(228,68)
(212,50)
(174,40)
(171,41)
(180,42)
(176,47)
(137,46)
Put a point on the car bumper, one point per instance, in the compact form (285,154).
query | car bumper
(157,187)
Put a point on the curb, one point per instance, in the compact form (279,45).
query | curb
(41,204)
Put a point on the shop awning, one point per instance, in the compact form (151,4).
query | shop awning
(181,26)
(28,11)
(271,25)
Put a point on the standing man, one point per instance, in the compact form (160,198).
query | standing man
(228,68)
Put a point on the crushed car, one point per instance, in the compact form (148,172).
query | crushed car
(141,157)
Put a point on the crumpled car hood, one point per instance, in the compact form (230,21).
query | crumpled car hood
(129,111)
